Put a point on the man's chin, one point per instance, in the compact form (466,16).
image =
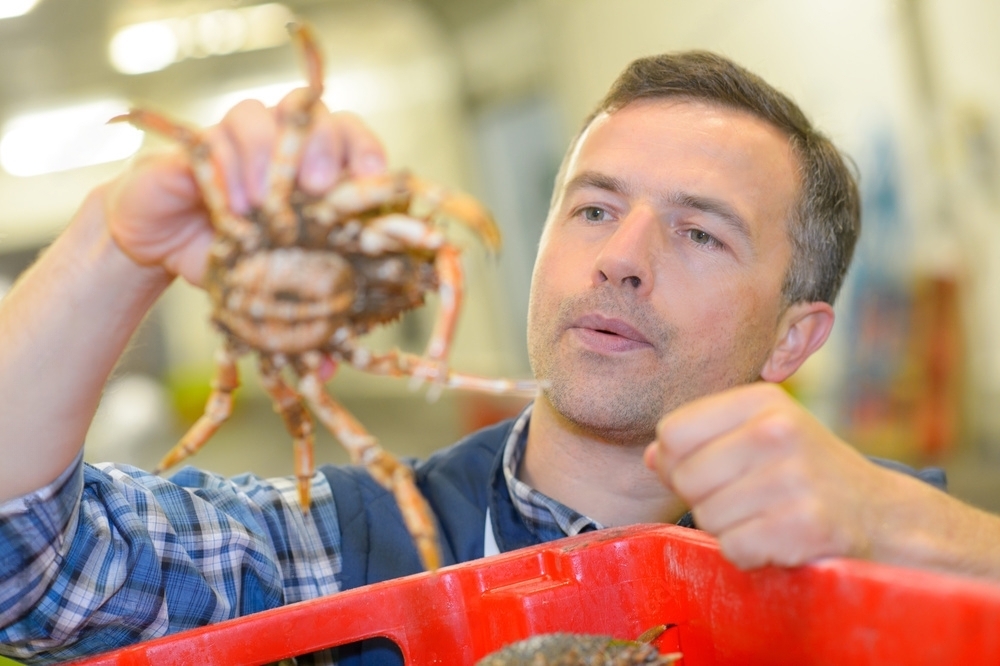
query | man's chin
(615,421)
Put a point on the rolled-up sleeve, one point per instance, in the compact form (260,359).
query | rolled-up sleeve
(109,555)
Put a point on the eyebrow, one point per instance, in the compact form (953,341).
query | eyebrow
(597,180)
(712,206)
(708,205)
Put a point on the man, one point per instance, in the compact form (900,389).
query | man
(698,234)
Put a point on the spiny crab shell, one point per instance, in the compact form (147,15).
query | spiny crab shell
(350,270)
(567,649)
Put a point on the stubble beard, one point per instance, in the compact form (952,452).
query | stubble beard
(612,399)
(604,397)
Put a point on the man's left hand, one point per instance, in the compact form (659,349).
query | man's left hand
(767,479)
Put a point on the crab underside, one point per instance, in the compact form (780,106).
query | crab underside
(299,279)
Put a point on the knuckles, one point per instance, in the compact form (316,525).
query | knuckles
(803,510)
(776,429)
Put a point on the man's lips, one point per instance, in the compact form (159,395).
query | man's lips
(608,333)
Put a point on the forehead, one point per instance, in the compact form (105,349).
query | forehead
(693,148)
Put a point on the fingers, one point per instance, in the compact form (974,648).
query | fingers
(156,213)
(691,425)
(335,144)
(339,142)
(767,479)
(242,145)
(724,460)
(714,428)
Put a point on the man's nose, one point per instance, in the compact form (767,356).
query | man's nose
(626,258)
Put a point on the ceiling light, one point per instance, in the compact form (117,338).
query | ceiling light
(154,45)
(144,47)
(220,32)
(67,138)
(12,8)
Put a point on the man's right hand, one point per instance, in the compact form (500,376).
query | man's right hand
(155,212)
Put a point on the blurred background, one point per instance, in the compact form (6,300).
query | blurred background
(484,95)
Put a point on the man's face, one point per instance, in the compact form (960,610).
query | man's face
(659,274)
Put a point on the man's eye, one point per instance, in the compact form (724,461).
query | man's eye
(594,214)
(702,238)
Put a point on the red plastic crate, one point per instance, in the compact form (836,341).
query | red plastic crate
(621,582)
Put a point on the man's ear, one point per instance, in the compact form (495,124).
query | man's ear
(803,329)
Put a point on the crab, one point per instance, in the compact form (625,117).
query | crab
(567,649)
(300,278)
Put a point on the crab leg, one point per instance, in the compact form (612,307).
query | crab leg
(449,269)
(384,467)
(289,405)
(459,206)
(218,408)
(395,363)
(206,172)
(469,211)
(292,130)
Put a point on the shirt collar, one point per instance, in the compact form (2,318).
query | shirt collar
(543,515)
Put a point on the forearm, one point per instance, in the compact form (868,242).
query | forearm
(926,528)
(185,552)
(62,329)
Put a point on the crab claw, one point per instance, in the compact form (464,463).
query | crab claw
(151,121)
(459,206)
(309,48)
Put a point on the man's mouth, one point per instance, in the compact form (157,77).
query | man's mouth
(618,332)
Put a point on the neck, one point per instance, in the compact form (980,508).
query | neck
(604,480)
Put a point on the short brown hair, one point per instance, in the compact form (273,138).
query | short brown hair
(827,217)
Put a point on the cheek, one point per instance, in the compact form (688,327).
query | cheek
(559,268)
(542,295)
(539,279)
(726,316)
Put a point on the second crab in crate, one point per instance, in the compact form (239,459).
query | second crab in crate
(567,649)
(298,279)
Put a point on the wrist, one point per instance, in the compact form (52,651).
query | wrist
(98,249)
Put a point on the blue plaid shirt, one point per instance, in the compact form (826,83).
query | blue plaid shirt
(109,555)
